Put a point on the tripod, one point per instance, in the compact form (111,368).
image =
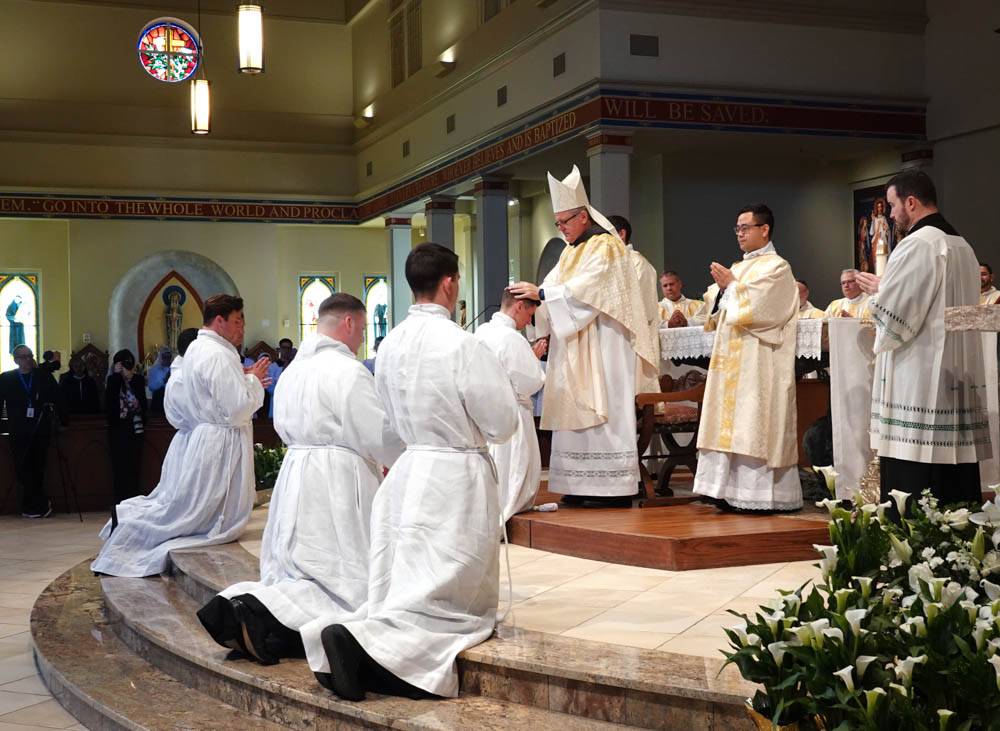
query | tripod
(65,476)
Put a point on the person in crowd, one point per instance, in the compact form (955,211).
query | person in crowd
(433,575)
(158,374)
(51,362)
(928,423)
(125,406)
(79,389)
(988,294)
(806,309)
(676,309)
(854,303)
(314,556)
(747,451)
(215,490)
(33,404)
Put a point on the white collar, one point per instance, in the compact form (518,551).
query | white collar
(429,308)
(500,318)
(991,290)
(769,249)
(214,336)
(680,300)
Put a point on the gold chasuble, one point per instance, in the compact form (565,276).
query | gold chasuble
(600,274)
(749,406)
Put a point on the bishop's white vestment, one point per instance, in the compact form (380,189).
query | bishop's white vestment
(433,579)
(747,439)
(687,307)
(857,307)
(518,461)
(178,414)
(990,297)
(314,554)
(929,396)
(215,484)
(597,317)
(808,312)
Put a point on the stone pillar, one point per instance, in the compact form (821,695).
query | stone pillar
(400,245)
(490,247)
(610,158)
(440,213)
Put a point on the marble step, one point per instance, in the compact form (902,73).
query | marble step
(156,619)
(645,688)
(101,682)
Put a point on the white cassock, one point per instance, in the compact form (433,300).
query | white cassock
(314,555)
(929,395)
(518,461)
(179,415)
(433,580)
(215,485)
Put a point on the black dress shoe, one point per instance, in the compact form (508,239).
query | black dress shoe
(219,620)
(572,499)
(253,633)
(344,655)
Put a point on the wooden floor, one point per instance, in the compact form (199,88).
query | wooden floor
(676,537)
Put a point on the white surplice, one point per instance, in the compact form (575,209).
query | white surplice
(179,415)
(433,583)
(215,485)
(929,395)
(518,461)
(314,555)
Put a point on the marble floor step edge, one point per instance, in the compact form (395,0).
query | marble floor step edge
(536,668)
(101,682)
(156,619)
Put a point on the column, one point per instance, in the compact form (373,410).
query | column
(490,247)
(440,213)
(610,158)
(400,245)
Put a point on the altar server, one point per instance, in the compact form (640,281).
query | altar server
(178,412)
(314,555)
(747,451)
(518,461)
(929,420)
(593,307)
(215,485)
(435,537)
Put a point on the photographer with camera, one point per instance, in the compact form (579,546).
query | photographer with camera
(32,401)
(125,405)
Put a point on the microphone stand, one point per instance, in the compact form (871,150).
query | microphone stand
(486,309)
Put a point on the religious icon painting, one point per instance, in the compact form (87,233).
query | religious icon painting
(874,230)
(313,289)
(19,305)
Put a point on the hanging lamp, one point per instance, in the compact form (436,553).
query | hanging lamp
(250,19)
(201,108)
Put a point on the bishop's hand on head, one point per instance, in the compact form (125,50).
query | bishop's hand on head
(524,291)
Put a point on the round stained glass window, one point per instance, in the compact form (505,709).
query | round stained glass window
(169,50)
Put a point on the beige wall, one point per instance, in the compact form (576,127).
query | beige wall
(81,262)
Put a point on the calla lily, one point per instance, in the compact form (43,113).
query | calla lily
(829,503)
(773,621)
(979,544)
(944,716)
(919,626)
(891,594)
(845,674)
(854,617)
(835,633)
(803,633)
(995,662)
(872,697)
(932,609)
(865,582)
(900,498)
(901,689)
(951,593)
(970,607)
(996,538)
(861,663)
(901,551)
(991,589)
(915,574)
(880,510)
(904,668)
(979,635)
(934,585)
(827,551)
(842,595)
(992,646)
(792,604)
(744,638)
(830,477)
(777,650)
(817,628)
(869,508)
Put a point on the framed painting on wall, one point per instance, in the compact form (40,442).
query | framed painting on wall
(874,230)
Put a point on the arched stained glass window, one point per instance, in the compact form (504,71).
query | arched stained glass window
(169,50)
(19,307)
(313,289)
(376,301)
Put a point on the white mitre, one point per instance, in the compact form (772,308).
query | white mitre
(569,193)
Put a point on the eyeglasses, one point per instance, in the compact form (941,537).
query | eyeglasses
(742,229)
(565,222)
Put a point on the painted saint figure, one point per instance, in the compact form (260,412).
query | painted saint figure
(173,298)
(16,326)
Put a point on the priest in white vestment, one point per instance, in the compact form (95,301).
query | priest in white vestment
(988,294)
(747,455)
(676,310)
(929,420)
(178,413)
(433,577)
(594,312)
(215,485)
(854,303)
(314,554)
(518,461)
(806,309)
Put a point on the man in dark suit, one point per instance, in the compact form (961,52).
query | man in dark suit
(31,399)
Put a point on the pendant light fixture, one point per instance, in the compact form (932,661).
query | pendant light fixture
(250,17)
(200,94)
